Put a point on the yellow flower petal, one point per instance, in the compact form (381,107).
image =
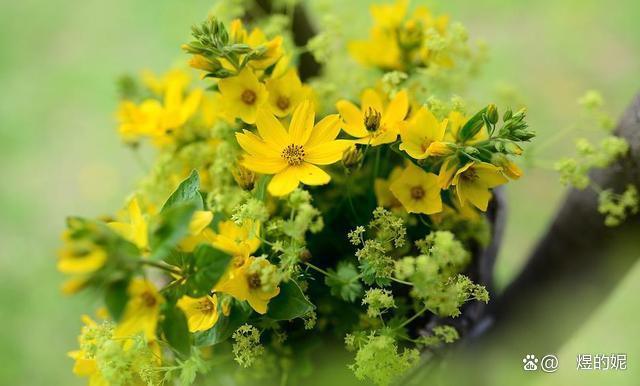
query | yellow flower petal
(327,153)
(397,108)
(301,123)
(353,118)
(371,99)
(264,165)
(324,131)
(271,130)
(310,174)
(284,182)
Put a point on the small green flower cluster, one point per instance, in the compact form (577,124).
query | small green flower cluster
(247,347)
(617,207)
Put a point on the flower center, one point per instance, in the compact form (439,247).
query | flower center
(425,144)
(205,305)
(148,299)
(372,119)
(469,175)
(283,103)
(293,154)
(248,97)
(417,192)
(254,281)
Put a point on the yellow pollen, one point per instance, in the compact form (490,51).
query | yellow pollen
(293,154)
(249,97)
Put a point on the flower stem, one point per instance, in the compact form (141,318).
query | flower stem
(322,271)
(401,281)
(162,266)
(414,317)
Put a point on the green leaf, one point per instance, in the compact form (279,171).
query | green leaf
(225,326)
(209,266)
(473,126)
(187,191)
(176,329)
(172,226)
(344,282)
(290,303)
(116,297)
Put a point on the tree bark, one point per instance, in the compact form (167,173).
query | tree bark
(579,261)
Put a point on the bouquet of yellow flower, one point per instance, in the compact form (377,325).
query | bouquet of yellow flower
(347,206)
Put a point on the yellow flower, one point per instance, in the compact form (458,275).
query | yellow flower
(422,135)
(159,84)
(373,123)
(253,281)
(509,167)
(292,155)
(456,121)
(285,93)
(473,182)
(384,197)
(201,313)
(242,95)
(199,231)
(136,230)
(273,47)
(138,120)
(141,312)
(380,50)
(161,122)
(389,16)
(85,364)
(417,190)
(237,240)
(80,257)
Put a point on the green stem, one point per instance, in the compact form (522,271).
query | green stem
(401,281)
(414,317)
(322,271)
(162,266)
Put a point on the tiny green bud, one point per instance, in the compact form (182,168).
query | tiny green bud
(492,113)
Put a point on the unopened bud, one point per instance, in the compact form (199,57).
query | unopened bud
(201,63)
(440,149)
(245,178)
(351,157)
(492,113)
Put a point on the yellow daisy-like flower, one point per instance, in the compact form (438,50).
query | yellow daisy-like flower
(417,190)
(292,155)
(422,135)
(141,312)
(374,123)
(473,182)
(243,95)
(251,281)
(136,230)
(285,93)
(201,313)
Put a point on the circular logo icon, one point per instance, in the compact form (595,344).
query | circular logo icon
(549,363)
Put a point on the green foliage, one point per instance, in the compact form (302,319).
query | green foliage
(247,347)
(172,225)
(188,191)
(175,328)
(379,360)
(344,281)
(290,303)
(200,270)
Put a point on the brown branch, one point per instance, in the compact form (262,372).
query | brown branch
(579,261)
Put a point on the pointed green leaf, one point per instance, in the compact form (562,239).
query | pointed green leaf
(187,191)
(290,303)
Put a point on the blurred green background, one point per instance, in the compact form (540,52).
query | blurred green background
(60,154)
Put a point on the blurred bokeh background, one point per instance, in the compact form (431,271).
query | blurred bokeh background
(60,154)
